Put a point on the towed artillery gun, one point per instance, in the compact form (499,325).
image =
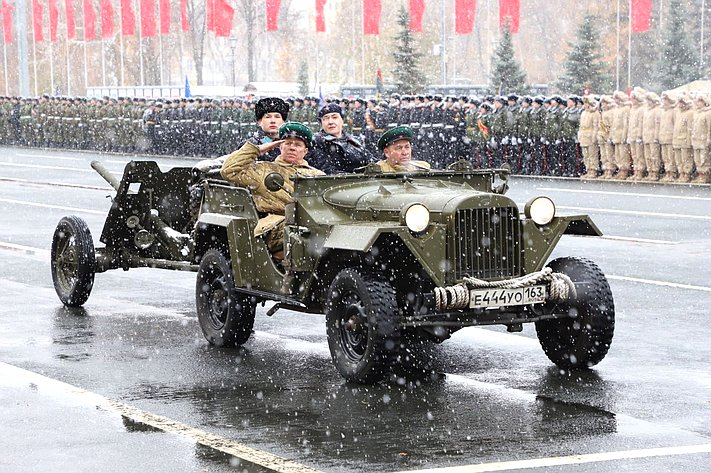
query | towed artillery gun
(394,261)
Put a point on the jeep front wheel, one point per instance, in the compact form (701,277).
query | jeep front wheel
(362,326)
(581,336)
(226,316)
(73,261)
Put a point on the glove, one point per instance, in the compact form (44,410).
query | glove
(466,140)
(530,141)
(557,142)
(519,141)
(505,140)
(492,143)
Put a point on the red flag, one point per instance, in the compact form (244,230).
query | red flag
(71,25)
(89,21)
(164,8)
(37,20)
(464,14)
(320,18)
(184,20)
(128,18)
(641,15)
(219,17)
(7,21)
(107,19)
(273,14)
(148,18)
(371,16)
(509,12)
(53,20)
(417,9)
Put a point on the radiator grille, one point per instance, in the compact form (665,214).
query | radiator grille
(487,243)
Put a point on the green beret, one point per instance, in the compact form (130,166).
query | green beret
(296,130)
(394,134)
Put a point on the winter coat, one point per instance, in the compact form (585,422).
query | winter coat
(667,116)
(338,155)
(605,125)
(682,128)
(701,128)
(242,168)
(620,124)
(587,129)
(407,167)
(634,129)
(650,124)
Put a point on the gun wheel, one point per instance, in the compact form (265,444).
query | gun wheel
(362,326)
(226,316)
(582,336)
(73,261)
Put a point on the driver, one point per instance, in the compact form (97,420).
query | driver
(397,149)
(242,168)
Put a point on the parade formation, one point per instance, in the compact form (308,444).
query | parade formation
(643,136)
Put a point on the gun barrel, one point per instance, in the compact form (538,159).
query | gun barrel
(103,172)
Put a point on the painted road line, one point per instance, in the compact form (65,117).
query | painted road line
(58,207)
(575,459)
(639,240)
(201,437)
(56,168)
(56,184)
(637,213)
(626,194)
(660,283)
(28,250)
(48,156)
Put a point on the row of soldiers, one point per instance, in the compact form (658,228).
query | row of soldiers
(559,136)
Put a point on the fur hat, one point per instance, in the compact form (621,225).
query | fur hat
(270,105)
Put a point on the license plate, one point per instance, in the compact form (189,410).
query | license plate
(479,298)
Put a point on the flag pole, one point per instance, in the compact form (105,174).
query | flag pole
(701,39)
(4,59)
(34,49)
(629,51)
(121,51)
(362,46)
(69,84)
(103,61)
(51,65)
(140,41)
(160,56)
(617,66)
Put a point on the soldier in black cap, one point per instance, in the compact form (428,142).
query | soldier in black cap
(336,151)
(270,113)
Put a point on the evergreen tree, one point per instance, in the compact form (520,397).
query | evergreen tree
(678,62)
(584,66)
(506,73)
(303,79)
(408,78)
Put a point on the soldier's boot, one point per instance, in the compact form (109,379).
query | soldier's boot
(668,177)
(684,177)
(652,176)
(608,174)
(639,176)
(622,175)
(702,178)
(590,174)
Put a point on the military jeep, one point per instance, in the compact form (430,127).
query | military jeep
(392,260)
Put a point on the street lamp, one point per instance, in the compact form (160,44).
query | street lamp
(233,47)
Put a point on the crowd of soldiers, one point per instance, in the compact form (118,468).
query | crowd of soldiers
(611,137)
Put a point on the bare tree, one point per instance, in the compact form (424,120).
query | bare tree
(196,18)
(250,14)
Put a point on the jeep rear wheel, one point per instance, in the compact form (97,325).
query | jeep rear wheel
(362,326)
(226,316)
(73,261)
(581,337)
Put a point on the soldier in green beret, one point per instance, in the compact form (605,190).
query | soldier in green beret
(396,145)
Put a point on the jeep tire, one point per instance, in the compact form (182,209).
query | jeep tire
(73,261)
(362,326)
(226,316)
(582,338)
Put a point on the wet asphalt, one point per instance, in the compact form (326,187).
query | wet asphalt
(494,396)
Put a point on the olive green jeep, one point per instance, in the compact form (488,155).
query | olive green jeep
(392,260)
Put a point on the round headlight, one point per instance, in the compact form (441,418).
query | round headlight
(417,218)
(541,210)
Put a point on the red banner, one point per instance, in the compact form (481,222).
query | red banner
(53,19)
(320,18)
(7,21)
(89,21)
(184,20)
(509,13)
(128,18)
(641,15)
(219,17)
(107,19)
(37,21)
(273,14)
(371,16)
(164,9)
(464,15)
(71,22)
(417,10)
(148,18)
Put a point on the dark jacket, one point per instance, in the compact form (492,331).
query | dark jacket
(338,155)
